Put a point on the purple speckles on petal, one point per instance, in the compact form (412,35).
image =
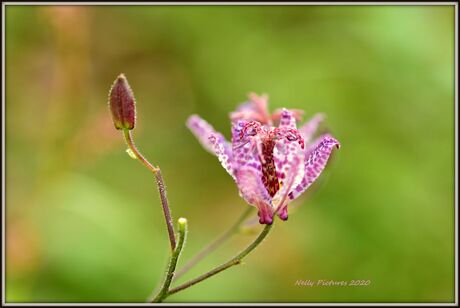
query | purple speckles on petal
(202,131)
(287,119)
(253,191)
(223,151)
(212,141)
(313,165)
(309,129)
(288,149)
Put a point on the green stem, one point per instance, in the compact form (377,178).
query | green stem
(160,184)
(214,245)
(130,142)
(163,293)
(234,261)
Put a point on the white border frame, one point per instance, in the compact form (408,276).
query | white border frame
(4,4)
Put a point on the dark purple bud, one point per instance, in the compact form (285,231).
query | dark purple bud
(122,104)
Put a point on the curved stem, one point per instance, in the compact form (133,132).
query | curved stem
(214,245)
(173,262)
(234,261)
(130,142)
(160,183)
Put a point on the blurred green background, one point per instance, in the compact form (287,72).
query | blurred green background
(84,222)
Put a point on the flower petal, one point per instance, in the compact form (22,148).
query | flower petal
(287,119)
(294,177)
(254,192)
(202,131)
(315,163)
(256,109)
(285,150)
(212,141)
(245,151)
(309,128)
(248,172)
(276,115)
(223,151)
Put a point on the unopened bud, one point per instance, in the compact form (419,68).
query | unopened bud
(122,104)
(182,224)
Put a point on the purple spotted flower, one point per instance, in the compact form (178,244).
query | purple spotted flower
(271,161)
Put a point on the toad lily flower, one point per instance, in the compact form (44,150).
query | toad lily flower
(270,165)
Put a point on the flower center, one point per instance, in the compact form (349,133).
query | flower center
(265,139)
(269,177)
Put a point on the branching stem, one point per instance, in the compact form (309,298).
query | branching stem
(182,226)
(234,261)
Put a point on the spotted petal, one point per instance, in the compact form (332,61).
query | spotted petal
(202,131)
(245,151)
(212,141)
(276,115)
(254,192)
(287,119)
(315,163)
(294,177)
(285,150)
(223,151)
(309,128)
(248,172)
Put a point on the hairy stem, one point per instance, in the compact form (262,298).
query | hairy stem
(182,226)
(234,261)
(166,211)
(160,183)
(214,245)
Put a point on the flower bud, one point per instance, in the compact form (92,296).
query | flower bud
(122,104)
(182,226)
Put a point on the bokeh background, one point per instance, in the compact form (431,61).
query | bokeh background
(84,222)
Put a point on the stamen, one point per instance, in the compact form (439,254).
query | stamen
(269,177)
(250,129)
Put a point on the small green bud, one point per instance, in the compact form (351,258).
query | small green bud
(122,104)
(182,223)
